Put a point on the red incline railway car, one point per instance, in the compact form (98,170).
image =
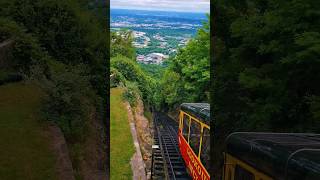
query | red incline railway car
(194,138)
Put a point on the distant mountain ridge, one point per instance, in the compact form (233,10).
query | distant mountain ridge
(157,13)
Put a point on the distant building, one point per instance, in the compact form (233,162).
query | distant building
(158,58)
(163,45)
(153,58)
(158,37)
(140,58)
(137,34)
(143,39)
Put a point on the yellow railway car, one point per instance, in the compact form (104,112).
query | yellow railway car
(194,138)
(272,156)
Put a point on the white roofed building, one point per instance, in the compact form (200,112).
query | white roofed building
(153,58)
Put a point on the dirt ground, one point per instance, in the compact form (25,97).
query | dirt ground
(137,163)
(144,134)
(93,166)
(59,147)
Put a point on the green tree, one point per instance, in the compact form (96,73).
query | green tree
(69,99)
(131,71)
(266,66)
(26,51)
(62,46)
(187,77)
(121,44)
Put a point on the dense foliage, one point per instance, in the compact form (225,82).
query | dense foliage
(184,78)
(56,31)
(98,7)
(69,100)
(121,44)
(187,77)
(131,71)
(131,93)
(154,44)
(61,46)
(125,71)
(154,70)
(266,66)
(26,51)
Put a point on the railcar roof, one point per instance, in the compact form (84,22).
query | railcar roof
(199,110)
(280,155)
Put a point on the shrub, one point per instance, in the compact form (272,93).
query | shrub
(26,50)
(132,72)
(131,93)
(69,100)
(116,79)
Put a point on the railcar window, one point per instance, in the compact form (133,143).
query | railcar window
(205,149)
(242,174)
(195,133)
(185,129)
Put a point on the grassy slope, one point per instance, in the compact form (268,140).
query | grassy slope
(121,143)
(24,152)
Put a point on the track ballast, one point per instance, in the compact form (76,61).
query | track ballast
(167,162)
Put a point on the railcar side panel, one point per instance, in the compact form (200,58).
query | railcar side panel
(195,167)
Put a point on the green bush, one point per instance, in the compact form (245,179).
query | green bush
(132,72)
(64,49)
(131,93)
(62,29)
(26,50)
(187,77)
(116,79)
(47,31)
(121,44)
(69,100)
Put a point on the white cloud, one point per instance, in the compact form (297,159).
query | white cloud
(173,5)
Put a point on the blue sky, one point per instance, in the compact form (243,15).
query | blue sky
(164,5)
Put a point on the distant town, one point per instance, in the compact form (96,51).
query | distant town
(143,41)
(156,38)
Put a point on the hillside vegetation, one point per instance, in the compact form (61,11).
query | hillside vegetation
(185,77)
(25,152)
(266,67)
(268,80)
(61,47)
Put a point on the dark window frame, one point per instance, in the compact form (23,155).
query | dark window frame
(205,150)
(185,127)
(195,136)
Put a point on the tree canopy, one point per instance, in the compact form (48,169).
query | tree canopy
(187,77)
(266,66)
(61,46)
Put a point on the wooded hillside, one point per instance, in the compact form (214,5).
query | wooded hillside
(61,47)
(266,67)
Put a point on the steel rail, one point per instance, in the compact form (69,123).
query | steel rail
(166,136)
(168,155)
(163,155)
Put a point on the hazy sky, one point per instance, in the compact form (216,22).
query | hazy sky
(167,5)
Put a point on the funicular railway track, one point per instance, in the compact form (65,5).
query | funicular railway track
(167,162)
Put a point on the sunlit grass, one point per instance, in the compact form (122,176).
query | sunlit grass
(121,143)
